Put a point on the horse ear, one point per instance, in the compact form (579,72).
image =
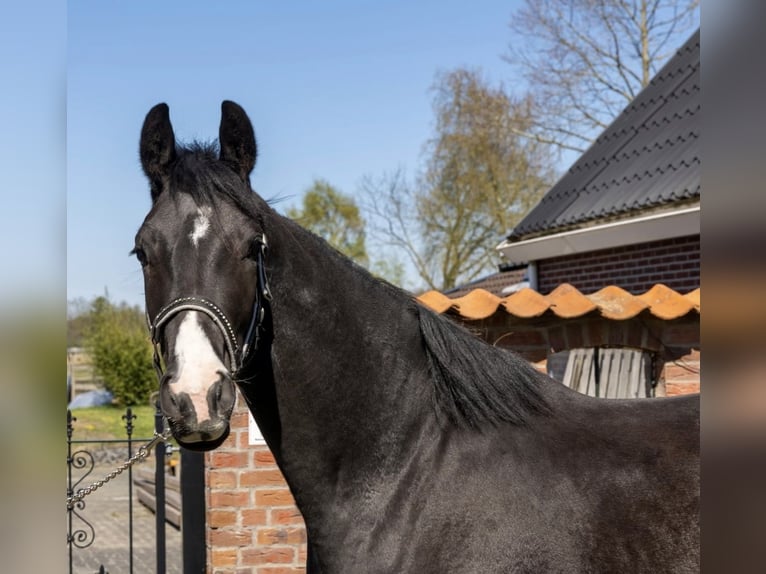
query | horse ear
(237,139)
(158,147)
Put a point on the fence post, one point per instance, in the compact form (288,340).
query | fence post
(193,511)
(159,490)
(128,418)
(69,489)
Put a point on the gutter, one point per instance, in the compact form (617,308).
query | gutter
(658,226)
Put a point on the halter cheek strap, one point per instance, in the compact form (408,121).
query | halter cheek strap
(262,293)
(254,334)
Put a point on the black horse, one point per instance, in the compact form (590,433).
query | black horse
(408,444)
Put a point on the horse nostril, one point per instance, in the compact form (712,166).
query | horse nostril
(221,395)
(169,403)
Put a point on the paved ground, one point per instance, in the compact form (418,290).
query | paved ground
(107,510)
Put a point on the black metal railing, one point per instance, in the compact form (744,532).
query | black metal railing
(81,466)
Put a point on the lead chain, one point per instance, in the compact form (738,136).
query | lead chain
(141,454)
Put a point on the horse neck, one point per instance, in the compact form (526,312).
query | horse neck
(349,371)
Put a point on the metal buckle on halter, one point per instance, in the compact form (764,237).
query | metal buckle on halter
(263,282)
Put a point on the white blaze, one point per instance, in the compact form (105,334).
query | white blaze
(198,364)
(201,225)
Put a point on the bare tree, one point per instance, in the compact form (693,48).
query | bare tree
(479,179)
(587,59)
(389,204)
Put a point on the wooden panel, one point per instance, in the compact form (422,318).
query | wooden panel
(624,373)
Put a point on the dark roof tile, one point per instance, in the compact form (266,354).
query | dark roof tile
(496,283)
(648,157)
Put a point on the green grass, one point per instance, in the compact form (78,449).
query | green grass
(94,423)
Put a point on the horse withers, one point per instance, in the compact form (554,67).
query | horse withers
(408,444)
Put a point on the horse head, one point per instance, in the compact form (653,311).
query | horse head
(202,255)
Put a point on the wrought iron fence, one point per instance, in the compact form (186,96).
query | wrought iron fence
(81,481)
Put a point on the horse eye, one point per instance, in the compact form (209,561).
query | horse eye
(141,256)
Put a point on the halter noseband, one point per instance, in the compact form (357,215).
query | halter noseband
(237,356)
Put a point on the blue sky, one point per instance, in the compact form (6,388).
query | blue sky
(33,119)
(336,90)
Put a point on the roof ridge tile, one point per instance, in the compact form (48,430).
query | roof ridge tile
(567,302)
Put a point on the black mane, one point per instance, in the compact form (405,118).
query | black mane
(198,172)
(477,384)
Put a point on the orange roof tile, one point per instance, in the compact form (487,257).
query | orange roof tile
(477,304)
(436,301)
(567,302)
(525,303)
(694,298)
(616,303)
(667,304)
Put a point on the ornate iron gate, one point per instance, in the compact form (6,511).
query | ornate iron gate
(81,464)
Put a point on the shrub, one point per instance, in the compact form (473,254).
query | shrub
(118,341)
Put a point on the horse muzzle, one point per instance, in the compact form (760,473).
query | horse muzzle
(198,422)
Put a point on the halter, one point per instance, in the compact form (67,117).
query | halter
(237,356)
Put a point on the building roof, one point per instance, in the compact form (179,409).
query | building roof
(501,283)
(647,159)
(567,302)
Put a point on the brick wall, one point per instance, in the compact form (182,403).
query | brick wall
(682,375)
(253,524)
(635,268)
